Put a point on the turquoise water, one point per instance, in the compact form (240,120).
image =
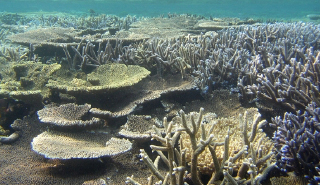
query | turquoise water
(280,10)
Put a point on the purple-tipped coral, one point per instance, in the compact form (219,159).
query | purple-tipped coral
(297,143)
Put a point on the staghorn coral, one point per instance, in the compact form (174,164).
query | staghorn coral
(296,142)
(199,147)
(290,86)
(284,67)
(85,56)
(237,53)
(254,146)
(60,145)
(175,171)
(222,127)
(15,54)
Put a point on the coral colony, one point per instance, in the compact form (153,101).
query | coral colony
(104,69)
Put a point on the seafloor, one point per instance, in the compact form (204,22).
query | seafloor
(51,60)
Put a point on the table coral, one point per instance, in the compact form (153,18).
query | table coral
(60,145)
(69,116)
(106,77)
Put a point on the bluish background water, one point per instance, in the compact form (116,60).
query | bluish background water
(266,9)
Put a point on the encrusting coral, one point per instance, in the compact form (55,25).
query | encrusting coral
(207,145)
(26,81)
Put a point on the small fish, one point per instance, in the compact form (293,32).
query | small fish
(6,105)
(11,110)
(3,107)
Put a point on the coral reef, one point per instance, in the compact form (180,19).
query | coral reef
(44,35)
(11,112)
(138,68)
(26,81)
(283,72)
(200,141)
(288,180)
(85,56)
(68,20)
(139,127)
(296,142)
(11,138)
(60,145)
(69,116)
(234,129)
(147,91)
(14,53)
(73,143)
(106,77)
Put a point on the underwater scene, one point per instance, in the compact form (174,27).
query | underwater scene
(146,92)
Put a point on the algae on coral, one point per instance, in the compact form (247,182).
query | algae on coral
(27,81)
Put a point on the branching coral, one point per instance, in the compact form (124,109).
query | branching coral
(292,86)
(283,73)
(200,143)
(176,172)
(14,54)
(85,55)
(230,152)
(67,21)
(297,143)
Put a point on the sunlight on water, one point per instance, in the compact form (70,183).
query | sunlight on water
(282,10)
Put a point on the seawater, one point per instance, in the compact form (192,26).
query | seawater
(257,9)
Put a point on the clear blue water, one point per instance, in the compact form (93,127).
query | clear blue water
(264,9)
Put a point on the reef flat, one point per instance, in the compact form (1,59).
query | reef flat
(175,99)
